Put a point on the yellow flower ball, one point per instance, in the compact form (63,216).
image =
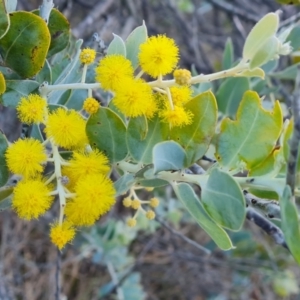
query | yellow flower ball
(111,70)
(67,129)
(127,202)
(158,55)
(177,117)
(180,94)
(150,214)
(85,163)
(62,234)
(182,76)
(95,195)
(131,222)
(87,56)
(32,109)
(136,204)
(134,98)
(31,198)
(154,202)
(91,105)
(25,157)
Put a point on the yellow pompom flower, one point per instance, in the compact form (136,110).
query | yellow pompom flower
(127,202)
(180,94)
(32,109)
(136,204)
(134,98)
(131,222)
(66,128)
(158,55)
(82,164)
(154,202)
(87,56)
(62,234)
(112,69)
(182,76)
(177,117)
(25,157)
(95,195)
(150,214)
(31,198)
(91,105)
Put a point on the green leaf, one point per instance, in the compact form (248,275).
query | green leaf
(230,93)
(67,67)
(45,74)
(156,182)
(188,198)
(117,46)
(289,73)
(36,133)
(15,89)
(2,84)
(196,137)
(265,53)
(4,173)
(262,31)
(106,131)
(5,191)
(227,60)
(293,37)
(143,135)
(124,183)
(137,37)
(250,138)
(25,45)
(168,156)
(223,200)
(4,19)
(290,223)
(59,28)
(76,99)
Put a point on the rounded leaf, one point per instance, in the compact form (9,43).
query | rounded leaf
(106,132)
(263,30)
(59,28)
(223,199)
(25,46)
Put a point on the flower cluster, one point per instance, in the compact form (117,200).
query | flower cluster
(85,192)
(134,96)
(135,203)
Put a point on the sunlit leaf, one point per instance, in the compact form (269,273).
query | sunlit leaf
(250,138)
(263,30)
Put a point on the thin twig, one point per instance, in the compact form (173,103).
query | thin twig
(271,207)
(183,237)
(57,275)
(267,226)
